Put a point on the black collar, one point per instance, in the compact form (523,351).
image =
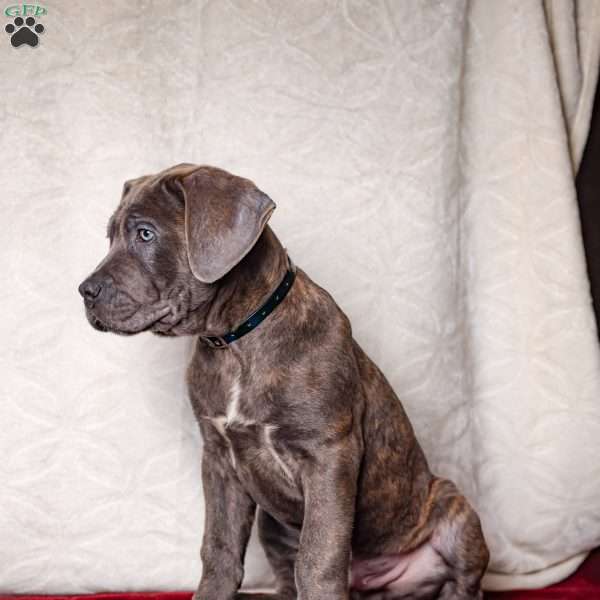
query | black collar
(258,316)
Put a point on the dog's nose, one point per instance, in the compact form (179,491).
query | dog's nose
(91,288)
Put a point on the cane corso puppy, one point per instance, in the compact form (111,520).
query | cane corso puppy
(300,428)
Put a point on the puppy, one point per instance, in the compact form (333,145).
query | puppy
(301,429)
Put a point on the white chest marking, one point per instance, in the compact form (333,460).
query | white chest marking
(233,416)
(233,408)
(268,430)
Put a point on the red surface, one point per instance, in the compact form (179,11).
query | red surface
(582,585)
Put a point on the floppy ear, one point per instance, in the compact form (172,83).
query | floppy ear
(224,216)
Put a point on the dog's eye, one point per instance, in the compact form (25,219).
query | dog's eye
(145,235)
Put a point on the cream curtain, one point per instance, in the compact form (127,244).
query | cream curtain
(422,156)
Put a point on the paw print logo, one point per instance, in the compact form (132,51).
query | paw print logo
(24,32)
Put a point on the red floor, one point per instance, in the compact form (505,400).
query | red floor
(583,585)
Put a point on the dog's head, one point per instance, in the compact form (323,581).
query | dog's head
(172,237)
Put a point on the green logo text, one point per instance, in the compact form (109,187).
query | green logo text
(25,10)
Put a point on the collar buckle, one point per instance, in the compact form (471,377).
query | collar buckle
(215,341)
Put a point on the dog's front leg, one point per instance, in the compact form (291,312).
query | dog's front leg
(229,513)
(325,540)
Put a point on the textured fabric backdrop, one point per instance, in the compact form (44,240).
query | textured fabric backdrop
(422,156)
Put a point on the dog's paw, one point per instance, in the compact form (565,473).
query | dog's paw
(24,32)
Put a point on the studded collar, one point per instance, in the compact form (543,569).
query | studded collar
(258,316)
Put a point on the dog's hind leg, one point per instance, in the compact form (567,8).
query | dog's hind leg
(459,540)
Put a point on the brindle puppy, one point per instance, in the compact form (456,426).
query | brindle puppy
(296,419)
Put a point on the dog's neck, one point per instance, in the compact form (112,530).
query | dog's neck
(247,285)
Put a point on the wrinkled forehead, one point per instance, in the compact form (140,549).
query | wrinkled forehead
(145,197)
(147,182)
(150,191)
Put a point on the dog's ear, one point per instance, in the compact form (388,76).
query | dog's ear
(224,216)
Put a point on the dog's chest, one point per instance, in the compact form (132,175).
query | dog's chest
(254,444)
